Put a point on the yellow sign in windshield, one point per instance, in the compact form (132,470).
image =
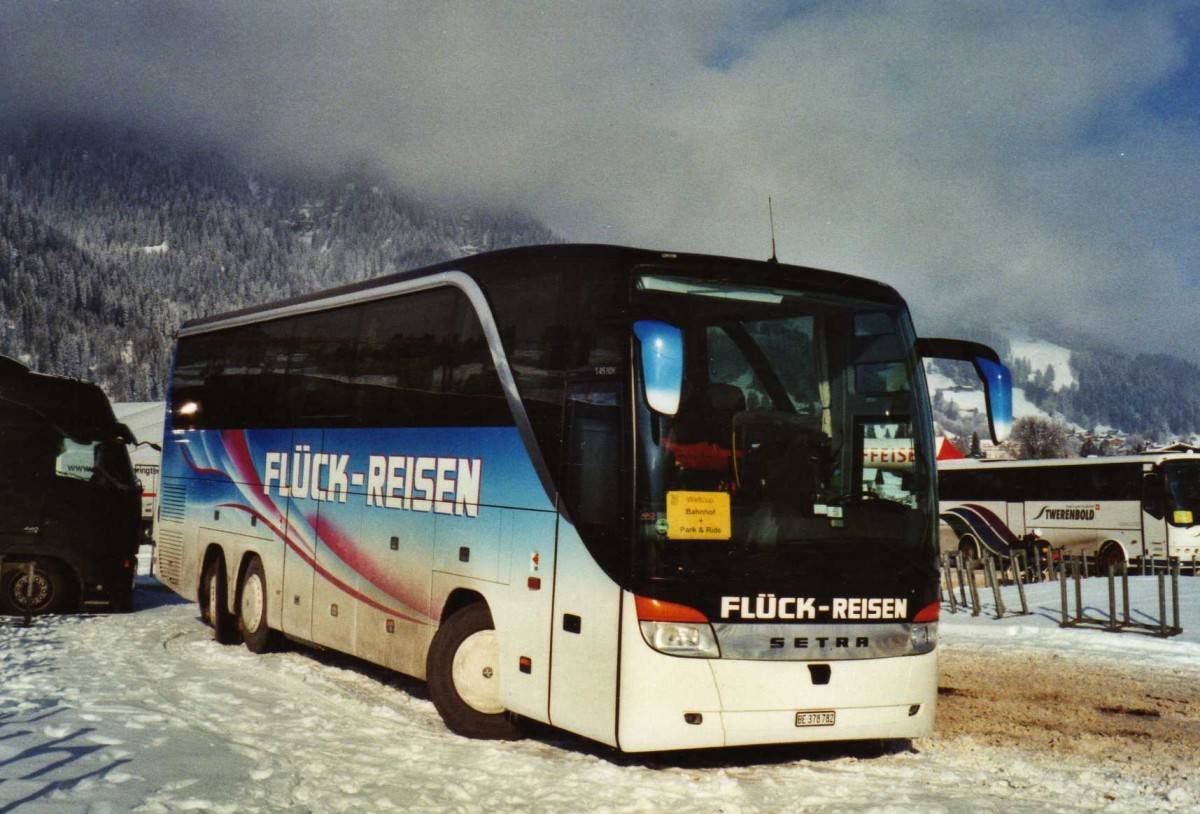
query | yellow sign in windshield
(698,516)
(1182,518)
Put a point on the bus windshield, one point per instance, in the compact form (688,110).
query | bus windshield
(797,432)
(1183,492)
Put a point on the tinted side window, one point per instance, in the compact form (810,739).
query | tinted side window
(415,360)
(949,485)
(1087,482)
(592,482)
(232,378)
(1117,481)
(321,367)
(424,361)
(986,483)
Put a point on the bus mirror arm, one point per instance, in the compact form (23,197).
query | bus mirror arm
(997,380)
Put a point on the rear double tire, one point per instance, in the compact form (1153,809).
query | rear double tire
(252,609)
(463,672)
(1110,555)
(214,602)
(968,548)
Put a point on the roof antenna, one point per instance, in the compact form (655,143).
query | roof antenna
(771,212)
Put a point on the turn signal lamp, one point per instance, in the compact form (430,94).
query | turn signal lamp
(676,630)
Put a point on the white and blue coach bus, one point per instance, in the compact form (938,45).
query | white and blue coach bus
(1115,509)
(618,491)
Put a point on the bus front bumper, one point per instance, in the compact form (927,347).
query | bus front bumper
(669,702)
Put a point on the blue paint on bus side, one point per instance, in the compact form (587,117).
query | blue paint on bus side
(339,498)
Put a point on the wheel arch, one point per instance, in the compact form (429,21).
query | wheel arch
(467,615)
(461,598)
(15,556)
(1110,544)
(967,540)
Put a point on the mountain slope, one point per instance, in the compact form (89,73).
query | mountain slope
(108,241)
(1088,385)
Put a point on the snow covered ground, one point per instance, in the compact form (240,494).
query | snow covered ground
(145,713)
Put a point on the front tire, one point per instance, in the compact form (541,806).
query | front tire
(49,592)
(252,610)
(463,672)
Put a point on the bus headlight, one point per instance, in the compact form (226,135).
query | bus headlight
(922,638)
(681,639)
(676,630)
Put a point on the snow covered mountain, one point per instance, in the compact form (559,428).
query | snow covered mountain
(108,241)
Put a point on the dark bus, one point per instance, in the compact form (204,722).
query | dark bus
(69,501)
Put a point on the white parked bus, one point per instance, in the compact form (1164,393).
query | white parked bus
(619,491)
(145,419)
(1116,509)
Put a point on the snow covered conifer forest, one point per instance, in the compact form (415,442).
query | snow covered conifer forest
(109,240)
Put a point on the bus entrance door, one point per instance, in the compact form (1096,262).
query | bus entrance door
(587,603)
(1154,512)
(585,637)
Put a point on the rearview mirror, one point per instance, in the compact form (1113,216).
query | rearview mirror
(997,392)
(662,364)
(997,380)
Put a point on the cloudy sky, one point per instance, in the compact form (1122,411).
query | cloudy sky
(1036,161)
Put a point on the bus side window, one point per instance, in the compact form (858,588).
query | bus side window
(423,360)
(320,368)
(231,378)
(402,359)
(1152,496)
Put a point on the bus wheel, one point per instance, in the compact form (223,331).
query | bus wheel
(49,589)
(214,605)
(1110,555)
(252,610)
(968,549)
(463,672)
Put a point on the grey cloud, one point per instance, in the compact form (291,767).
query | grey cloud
(969,154)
